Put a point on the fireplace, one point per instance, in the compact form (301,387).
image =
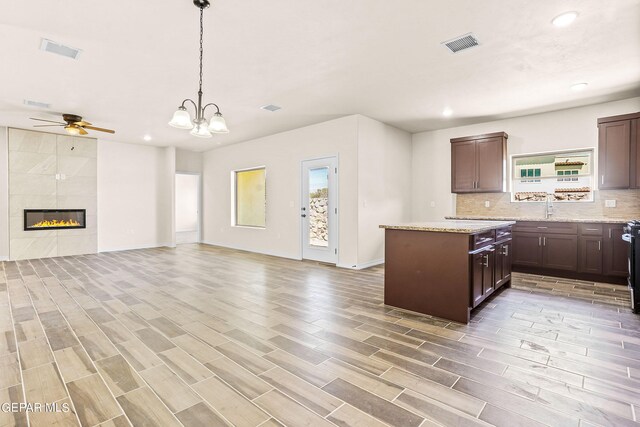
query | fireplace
(54,219)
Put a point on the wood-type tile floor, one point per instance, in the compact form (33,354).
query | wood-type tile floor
(204,336)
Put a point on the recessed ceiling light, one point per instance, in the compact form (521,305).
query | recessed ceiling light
(579,86)
(270,107)
(565,19)
(447,112)
(147,137)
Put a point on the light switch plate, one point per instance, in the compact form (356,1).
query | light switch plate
(432,204)
(609,203)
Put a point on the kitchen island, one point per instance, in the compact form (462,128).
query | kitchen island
(446,268)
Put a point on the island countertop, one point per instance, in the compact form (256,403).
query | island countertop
(538,219)
(450,226)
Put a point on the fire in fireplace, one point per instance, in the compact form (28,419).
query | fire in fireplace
(54,219)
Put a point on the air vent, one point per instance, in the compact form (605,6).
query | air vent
(461,43)
(59,49)
(270,107)
(36,104)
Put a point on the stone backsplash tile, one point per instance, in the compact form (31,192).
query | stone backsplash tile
(627,206)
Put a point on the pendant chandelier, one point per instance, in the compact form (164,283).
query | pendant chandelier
(199,126)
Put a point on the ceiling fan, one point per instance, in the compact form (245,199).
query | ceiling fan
(74,125)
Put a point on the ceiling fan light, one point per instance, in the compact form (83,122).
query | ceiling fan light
(201,130)
(218,124)
(181,119)
(72,130)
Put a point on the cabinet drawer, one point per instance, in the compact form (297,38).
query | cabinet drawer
(590,229)
(483,239)
(503,233)
(547,227)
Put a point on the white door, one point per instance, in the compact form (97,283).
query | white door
(319,210)
(187,208)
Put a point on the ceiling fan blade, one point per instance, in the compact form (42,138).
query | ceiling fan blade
(82,123)
(82,131)
(99,129)
(50,121)
(46,126)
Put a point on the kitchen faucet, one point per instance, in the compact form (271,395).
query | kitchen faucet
(548,207)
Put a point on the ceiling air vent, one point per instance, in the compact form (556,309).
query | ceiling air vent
(36,104)
(59,49)
(270,107)
(461,43)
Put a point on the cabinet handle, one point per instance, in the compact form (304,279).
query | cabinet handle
(599,245)
(542,228)
(602,180)
(539,241)
(591,229)
(486,261)
(609,233)
(544,241)
(506,251)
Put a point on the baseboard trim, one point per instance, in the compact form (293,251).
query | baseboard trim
(237,248)
(133,248)
(362,266)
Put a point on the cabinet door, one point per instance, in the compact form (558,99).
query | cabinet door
(560,251)
(488,272)
(502,269)
(527,249)
(590,254)
(490,165)
(616,251)
(463,167)
(613,155)
(477,263)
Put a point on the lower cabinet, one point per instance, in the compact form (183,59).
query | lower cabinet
(590,254)
(502,271)
(616,251)
(491,268)
(589,251)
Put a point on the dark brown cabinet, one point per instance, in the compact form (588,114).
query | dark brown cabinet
(482,277)
(587,251)
(619,152)
(502,270)
(478,163)
(615,251)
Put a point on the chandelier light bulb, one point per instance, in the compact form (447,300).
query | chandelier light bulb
(218,124)
(201,130)
(181,119)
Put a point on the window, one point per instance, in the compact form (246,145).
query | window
(250,197)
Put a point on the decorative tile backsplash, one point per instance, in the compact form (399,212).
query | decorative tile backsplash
(627,206)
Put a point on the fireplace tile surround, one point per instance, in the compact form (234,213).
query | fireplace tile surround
(45,174)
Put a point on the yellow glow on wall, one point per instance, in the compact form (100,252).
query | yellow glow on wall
(251,198)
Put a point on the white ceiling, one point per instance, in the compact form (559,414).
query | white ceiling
(317,59)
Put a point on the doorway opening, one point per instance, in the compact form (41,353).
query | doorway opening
(187,208)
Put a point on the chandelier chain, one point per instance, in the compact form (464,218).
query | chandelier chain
(201,49)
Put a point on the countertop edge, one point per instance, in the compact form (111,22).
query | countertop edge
(532,219)
(459,230)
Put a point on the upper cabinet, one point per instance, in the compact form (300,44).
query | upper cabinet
(478,163)
(619,152)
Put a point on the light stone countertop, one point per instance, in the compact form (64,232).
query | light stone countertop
(552,219)
(450,226)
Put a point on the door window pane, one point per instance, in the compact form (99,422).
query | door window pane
(251,198)
(319,207)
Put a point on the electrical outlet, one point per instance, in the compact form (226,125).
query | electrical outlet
(432,204)
(487,204)
(609,203)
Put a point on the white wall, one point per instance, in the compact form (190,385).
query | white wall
(431,163)
(188,161)
(384,185)
(282,155)
(135,196)
(4,194)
